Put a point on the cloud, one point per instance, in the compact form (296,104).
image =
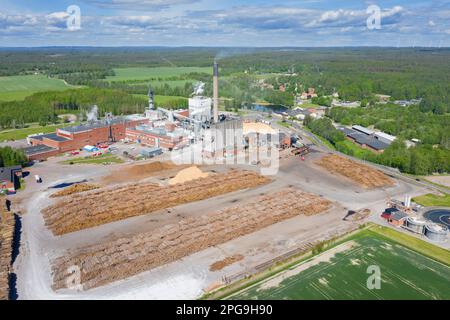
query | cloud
(130,5)
(56,20)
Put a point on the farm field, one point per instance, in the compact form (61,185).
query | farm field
(17,134)
(19,87)
(125,74)
(431,200)
(341,273)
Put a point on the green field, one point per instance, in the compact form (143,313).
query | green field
(19,87)
(432,200)
(17,134)
(125,74)
(105,158)
(341,271)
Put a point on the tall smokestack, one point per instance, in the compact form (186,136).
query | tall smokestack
(216,92)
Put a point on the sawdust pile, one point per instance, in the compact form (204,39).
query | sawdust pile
(119,259)
(365,176)
(219,265)
(188,174)
(141,171)
(7,223)
(257,127)
(81,211)
(75,188)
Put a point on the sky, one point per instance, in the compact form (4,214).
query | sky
(251,23)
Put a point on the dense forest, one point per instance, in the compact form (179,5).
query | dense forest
(11,157)
(44,107)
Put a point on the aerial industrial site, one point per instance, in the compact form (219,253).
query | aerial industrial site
(223,173)
(162,225)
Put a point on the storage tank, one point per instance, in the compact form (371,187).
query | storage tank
(416,224)
(436,232)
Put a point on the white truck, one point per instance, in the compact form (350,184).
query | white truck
(38,178)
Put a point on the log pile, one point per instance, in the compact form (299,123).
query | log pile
(119,259)
(81,211)
(76,188)
(6,242)
(363,175)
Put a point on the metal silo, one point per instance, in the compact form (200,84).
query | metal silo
(416,224)
(436,232)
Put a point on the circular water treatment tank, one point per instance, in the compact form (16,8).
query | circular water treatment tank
(440,216)
(416,224)
(436,232)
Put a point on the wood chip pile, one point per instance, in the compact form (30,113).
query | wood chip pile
(188,174)
(363,175)
(6,242)
(219,265)
(82,211)
(75,188)
(119,259)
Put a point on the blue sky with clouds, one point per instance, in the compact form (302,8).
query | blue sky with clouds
(224,23)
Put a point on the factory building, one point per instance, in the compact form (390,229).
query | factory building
(167,137)
(200,108)
(364,138)
(224,138)
(76,137)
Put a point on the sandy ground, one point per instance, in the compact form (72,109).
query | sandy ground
(188,277)
(442,180)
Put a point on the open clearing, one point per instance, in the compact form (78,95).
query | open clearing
(18,87)
(139,73)
(341,273)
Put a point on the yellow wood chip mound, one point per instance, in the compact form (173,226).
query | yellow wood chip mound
(258,127)
(188,174)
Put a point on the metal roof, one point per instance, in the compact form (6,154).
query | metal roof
(348,131)
(385,136)
(7,173)
(370,141)
(362,129)
(37,149)
(53,136)
(398,215)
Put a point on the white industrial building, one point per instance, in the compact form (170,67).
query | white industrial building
(384,137)
(200,108)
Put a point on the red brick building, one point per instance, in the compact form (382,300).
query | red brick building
(166,138)
(76,137)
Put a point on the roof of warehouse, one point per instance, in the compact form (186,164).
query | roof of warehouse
(362,129)
(84,127)
(54,136)
(347,131)
(37,149)
(370,141)
(398,215)
(93,125)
